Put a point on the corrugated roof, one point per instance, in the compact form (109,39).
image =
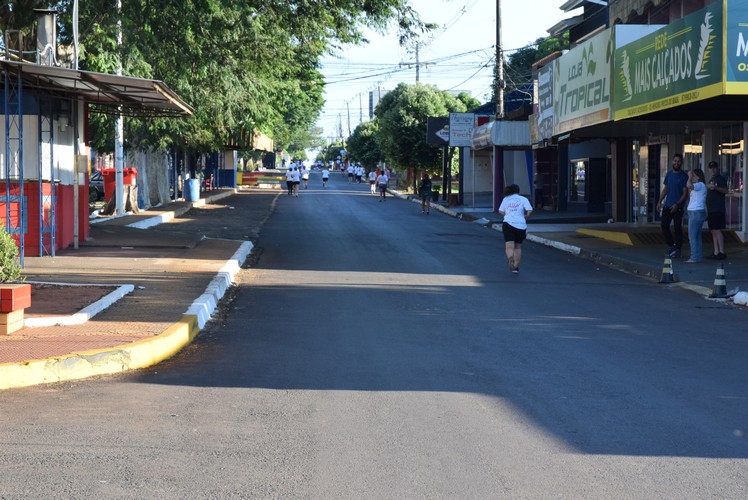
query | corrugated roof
(107,93)
(623,9)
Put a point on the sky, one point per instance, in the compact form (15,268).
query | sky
(459,55)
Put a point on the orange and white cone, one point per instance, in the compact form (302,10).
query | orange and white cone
(719,291)
(667,271)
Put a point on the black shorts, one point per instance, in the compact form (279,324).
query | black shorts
(715,220)
(511,233)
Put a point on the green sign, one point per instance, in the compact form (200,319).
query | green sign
(675,65)
(736,27)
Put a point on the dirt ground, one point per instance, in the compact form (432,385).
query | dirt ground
(61,300)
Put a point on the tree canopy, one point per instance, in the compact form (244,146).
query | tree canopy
(403,118)
(240,63)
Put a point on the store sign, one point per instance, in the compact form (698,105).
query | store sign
(736,26)
(461,127)
(582,84)
(544,110)
(675,65)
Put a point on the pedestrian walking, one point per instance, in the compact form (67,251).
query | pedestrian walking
(373,181)
(424,191)
(289,179)
(672,200)
(304,176)
(715,210)
(382,181)
(325,176)
(515,209)
(696,213)
(296,179)
(350,170)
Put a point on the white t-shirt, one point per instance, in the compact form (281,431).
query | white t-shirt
(325,174)
(697,197)
(295,176)
(305,174)
(372,176)
(515,207)
(383,179)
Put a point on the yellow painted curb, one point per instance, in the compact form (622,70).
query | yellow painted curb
(139,354)
(616,236)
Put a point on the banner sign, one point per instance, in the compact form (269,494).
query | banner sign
(437,130)
(582,84)
(736,27)
(675,65)
(544,110)
(461,127)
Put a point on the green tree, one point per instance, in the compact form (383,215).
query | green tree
(518,65)
(403,118)
(363,144)
(238,63)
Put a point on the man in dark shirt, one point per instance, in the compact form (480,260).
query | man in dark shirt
(715,207)
(672,201)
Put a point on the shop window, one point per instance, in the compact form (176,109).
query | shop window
(731,151)
(578,181)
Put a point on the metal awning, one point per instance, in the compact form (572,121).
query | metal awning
(105,93)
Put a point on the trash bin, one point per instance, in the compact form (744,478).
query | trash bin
(109,181)
(193,190)
(129,176)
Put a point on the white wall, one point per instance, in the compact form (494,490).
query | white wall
(63,151)
(516,170)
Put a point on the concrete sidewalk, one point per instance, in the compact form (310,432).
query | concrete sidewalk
(169,285)
(632,248)
(171,277)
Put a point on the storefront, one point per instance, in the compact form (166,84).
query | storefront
(685,87)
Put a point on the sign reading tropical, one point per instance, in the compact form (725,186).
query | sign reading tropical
(675,65)
(581,85)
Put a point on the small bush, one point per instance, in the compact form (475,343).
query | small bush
(10,268)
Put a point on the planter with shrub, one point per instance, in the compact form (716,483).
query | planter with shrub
(15,296)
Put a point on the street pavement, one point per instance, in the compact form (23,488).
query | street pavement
(171,271)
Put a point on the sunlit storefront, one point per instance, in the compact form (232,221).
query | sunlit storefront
(683,88)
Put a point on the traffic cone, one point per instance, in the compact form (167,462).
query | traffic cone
(667,271)
(719,291)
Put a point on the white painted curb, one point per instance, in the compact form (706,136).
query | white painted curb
(84,314)
(204,306)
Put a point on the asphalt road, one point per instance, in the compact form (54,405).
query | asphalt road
(369,351)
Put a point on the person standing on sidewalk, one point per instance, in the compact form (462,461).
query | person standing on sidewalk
(696,213)
(424,191)
(538,182)
(672,200)
(515,209)
(715,210)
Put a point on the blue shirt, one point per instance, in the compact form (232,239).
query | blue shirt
(676,183)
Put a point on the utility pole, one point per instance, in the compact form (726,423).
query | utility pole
(348,107)
(418,63)
(119,130)
(499,65)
